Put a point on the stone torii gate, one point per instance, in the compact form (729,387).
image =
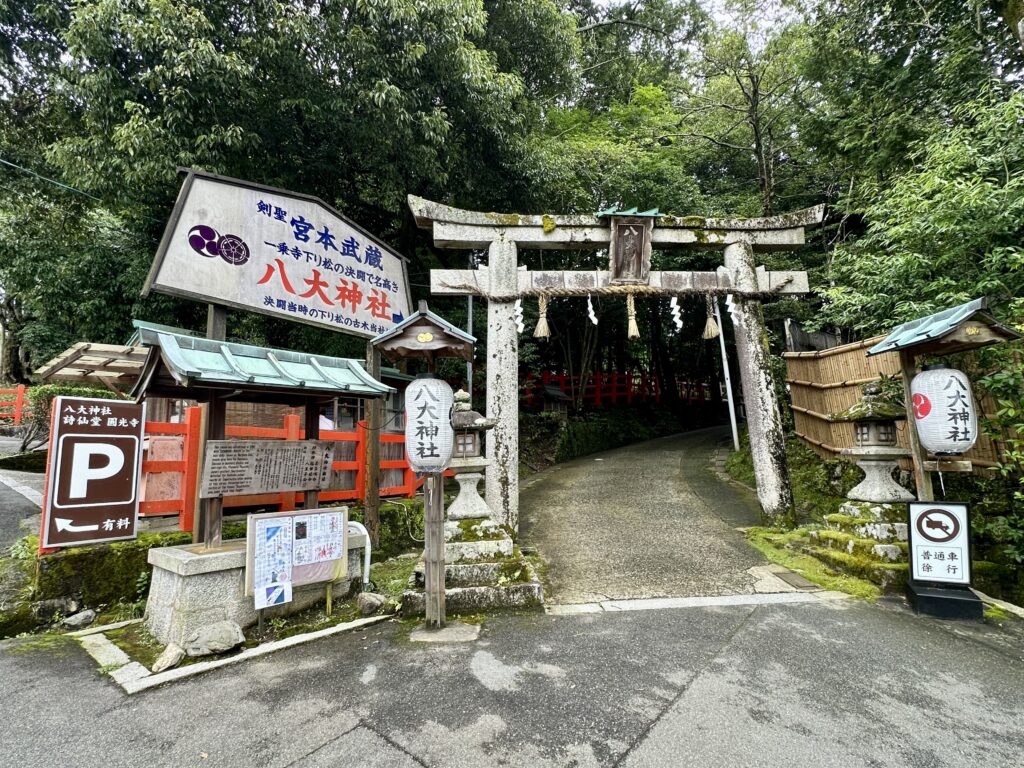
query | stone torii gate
(629,237)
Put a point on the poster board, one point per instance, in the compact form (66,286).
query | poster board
(285,550)
(94,471)
(241,467)
(279,253)
(939,539)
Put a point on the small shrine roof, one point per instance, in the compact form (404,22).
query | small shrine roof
(938,332)
(180,361)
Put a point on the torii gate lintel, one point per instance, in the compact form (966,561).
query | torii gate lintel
(502,283)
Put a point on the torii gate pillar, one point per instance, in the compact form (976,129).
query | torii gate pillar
(764,422)
(502,474)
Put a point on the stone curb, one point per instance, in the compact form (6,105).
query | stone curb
(133,677)
(1016,610)
(661,603)
(105,628)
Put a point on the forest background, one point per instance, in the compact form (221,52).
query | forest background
(907,118)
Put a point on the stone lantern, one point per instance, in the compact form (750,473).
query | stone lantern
(467,459)
(874,423)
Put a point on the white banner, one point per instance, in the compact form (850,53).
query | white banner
(278,253)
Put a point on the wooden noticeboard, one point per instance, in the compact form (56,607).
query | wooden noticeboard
(242,467)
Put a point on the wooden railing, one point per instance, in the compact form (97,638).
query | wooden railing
(183,503)
(14,404)
(604,389)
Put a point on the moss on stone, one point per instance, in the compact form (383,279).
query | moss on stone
(137,642)
(692,221)
(779,546)
(102,574)
(504,219)
(549,224)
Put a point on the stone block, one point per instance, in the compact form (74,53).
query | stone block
(477,550)
(889,552)
(476,599)
(190,589)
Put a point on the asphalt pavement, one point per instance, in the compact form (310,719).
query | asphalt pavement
(647,520)
(829,681)
(823,683)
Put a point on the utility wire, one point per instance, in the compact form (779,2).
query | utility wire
(50,181)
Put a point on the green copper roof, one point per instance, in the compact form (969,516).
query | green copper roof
(937,326)
(616,211)
(208,363)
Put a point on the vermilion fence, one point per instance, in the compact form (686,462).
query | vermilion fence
(348,482)
(604,389)
(14,404)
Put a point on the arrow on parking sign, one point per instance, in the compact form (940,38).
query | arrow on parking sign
(63,524)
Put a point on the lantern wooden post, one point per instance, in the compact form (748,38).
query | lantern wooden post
(433,550)
(922,479)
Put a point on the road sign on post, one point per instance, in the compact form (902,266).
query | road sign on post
(92,491)
(428,447)
(939,542)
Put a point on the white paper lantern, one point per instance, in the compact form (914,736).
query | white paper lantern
(428,425)
(944,410)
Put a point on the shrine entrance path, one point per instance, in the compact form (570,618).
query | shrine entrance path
(648,520)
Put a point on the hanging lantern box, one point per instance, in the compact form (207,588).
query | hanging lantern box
(945,413)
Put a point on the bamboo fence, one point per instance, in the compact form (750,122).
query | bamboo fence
(829,381)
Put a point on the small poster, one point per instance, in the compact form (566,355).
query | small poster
(318,538)
(272,562)
(939,541)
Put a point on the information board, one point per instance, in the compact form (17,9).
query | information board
(290,549)
(939,541)
(279,253)
(242,467)
(92,488)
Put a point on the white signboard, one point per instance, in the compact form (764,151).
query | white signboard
(428,425)
(272,562)
(318,538)
(285,550)
(239,467)
(280,253)
(939,541)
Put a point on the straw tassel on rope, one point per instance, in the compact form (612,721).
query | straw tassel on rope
(634,330)
(542,331)
(711,329)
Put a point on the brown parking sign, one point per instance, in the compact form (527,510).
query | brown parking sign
(92,490)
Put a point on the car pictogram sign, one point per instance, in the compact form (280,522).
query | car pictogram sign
(939,542)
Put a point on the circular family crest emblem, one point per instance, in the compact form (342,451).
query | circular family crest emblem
(204,240)
(233,249)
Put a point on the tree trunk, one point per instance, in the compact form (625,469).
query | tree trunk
(1012,12)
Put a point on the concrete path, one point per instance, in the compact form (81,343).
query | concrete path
(825,682)
(19,516)
(648,520)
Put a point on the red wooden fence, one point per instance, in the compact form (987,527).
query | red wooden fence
(15,408)
(184,504)
(604,389)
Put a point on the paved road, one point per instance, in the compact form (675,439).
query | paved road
(18,515)
(648,520)
(822,683)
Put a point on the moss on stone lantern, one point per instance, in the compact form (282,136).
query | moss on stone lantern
(874,420)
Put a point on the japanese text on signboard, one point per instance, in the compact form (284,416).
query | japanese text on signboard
(279,254)
(95,463)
